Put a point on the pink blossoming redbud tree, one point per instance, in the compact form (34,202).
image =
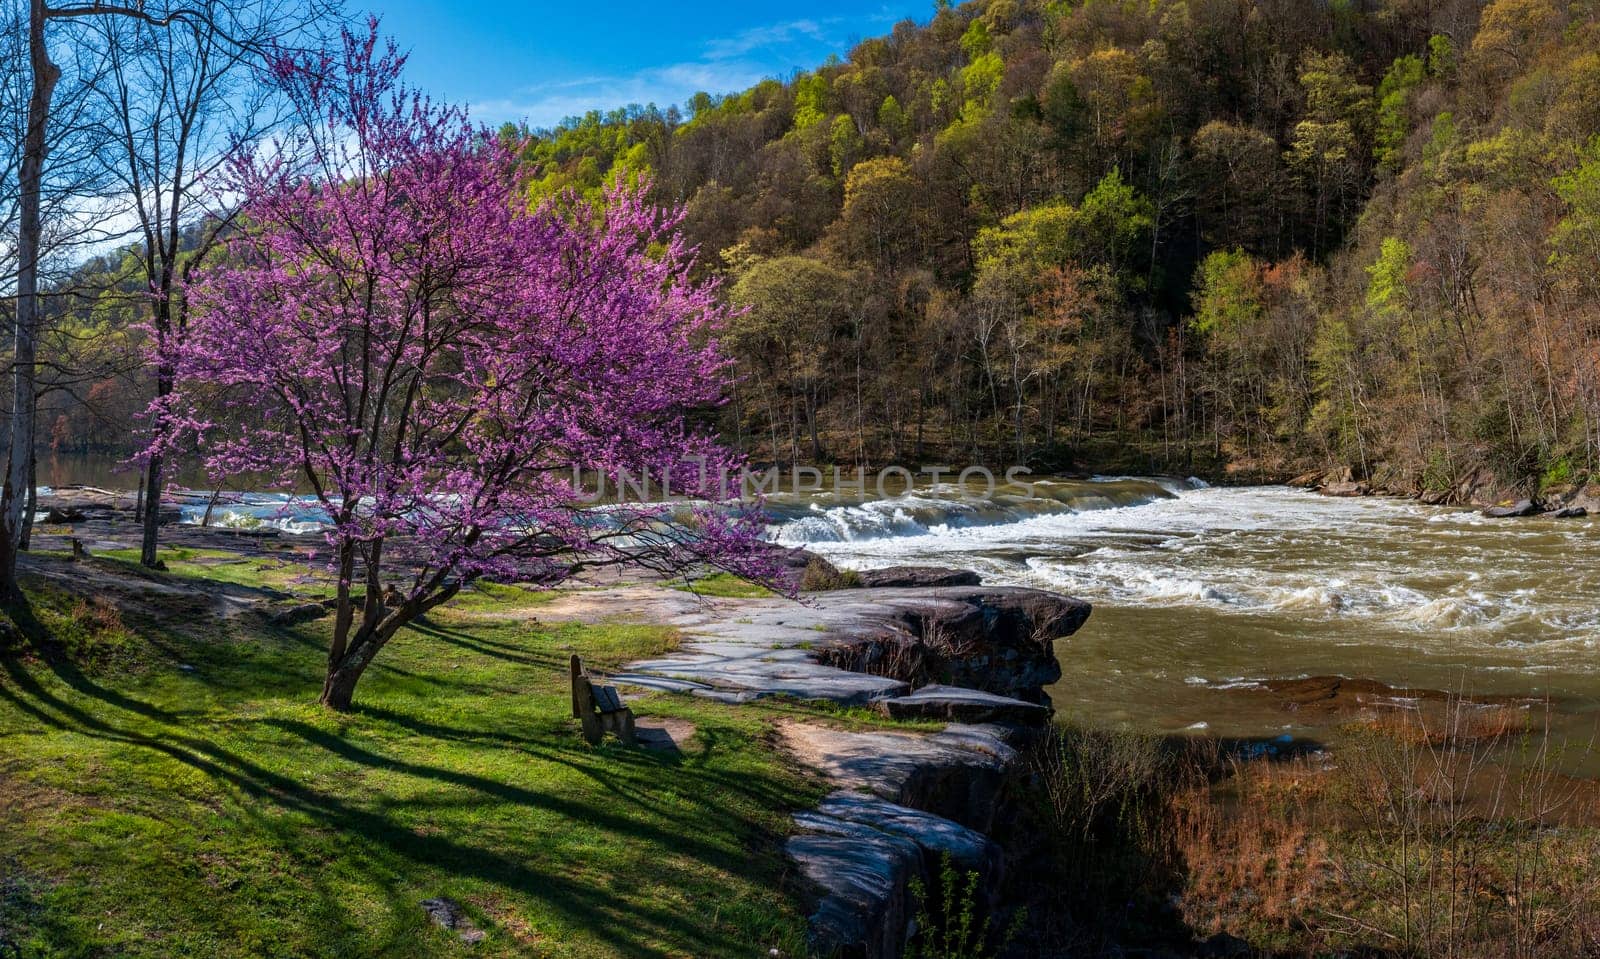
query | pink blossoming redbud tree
(395,331)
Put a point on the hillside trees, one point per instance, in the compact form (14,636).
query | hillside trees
(1189,234)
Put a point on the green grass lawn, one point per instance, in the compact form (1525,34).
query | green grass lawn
(148,809)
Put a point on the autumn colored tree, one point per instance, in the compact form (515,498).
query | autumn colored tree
(397,333)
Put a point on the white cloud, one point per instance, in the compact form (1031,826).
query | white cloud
(547,104)
(764,37)
(726,65)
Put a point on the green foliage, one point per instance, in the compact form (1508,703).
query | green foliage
(844,145)
(892,118)
(1575,242)
(1442,145)
(810,101)
(723,586)
(979,81)
(1441,56)
(1227,299)
(951,924)
(976,42)
(1394,94)
(1388,289)
(1559,471)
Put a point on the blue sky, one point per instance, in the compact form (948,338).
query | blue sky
(542,61)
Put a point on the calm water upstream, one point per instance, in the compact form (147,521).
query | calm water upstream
(1200,593)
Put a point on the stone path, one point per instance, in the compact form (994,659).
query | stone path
(903,799)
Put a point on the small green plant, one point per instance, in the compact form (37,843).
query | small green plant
(1557,472)
(821,576)
(1438,476)
(956,931)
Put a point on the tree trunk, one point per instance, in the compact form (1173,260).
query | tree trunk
(150,516)
(339,688)
(13,495)
(30,506)
(164,383)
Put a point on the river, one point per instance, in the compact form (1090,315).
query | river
(1202,593)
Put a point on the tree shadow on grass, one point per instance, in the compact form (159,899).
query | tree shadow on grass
(504,652)
(630,927)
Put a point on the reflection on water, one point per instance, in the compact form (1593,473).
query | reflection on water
(1199,591)
(107,471)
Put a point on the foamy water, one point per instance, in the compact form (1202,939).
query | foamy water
(1199,588)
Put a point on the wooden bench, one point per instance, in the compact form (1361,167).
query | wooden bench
(599,708)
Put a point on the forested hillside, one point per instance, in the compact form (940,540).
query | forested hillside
(1226,236)
(1265,234)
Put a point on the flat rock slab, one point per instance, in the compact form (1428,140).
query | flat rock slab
(958,704)
(839,646)
(917,576)
(956,773)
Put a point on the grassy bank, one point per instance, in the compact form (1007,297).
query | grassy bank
(168,787)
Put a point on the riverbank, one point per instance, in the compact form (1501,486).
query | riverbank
(173,787)
(174,723)
(169,787)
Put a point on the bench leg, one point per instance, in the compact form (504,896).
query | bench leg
(592,730)
(625,730)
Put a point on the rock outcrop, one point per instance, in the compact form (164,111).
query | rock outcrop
(978,657)
(857,646)
(917,577)
(863,853)
(908,800)
(1520,508)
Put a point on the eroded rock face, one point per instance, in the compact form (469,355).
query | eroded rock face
(901,577)
(996,639)
(957,704)
(863,852)
(857,646)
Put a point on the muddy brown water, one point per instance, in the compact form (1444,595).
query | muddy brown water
(1204,597)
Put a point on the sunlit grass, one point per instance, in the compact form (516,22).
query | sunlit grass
(202,804)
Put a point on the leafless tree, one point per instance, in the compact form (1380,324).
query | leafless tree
(174,99)
(169,90)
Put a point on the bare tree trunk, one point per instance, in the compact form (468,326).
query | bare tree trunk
(13,495)
(31,506)
(150,515)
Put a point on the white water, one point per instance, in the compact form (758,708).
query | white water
(1199,589)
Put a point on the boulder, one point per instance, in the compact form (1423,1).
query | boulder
(900,577)
(997,639)
(1347,488)
(1520,508)
(955,704)
(1568,512)
(1434,497)
(62,515)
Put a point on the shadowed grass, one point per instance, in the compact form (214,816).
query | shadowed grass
(175,790)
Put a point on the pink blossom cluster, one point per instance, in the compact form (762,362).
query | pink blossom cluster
(395,329)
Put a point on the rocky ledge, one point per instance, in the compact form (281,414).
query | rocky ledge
(865,646)
(974,656)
